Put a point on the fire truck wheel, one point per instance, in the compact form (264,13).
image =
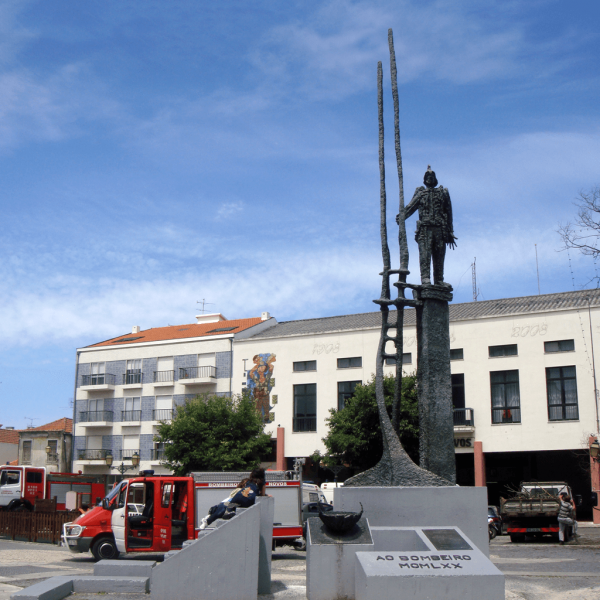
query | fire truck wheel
(105,549)
(517,537)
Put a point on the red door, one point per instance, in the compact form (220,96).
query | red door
(163,516)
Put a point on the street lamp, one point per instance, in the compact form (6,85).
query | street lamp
(135,461)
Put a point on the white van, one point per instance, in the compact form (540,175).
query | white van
(327,489)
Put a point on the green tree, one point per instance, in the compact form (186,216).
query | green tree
(354,436)
(214,433)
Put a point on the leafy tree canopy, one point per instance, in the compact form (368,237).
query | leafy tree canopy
(214,433)
(354,436)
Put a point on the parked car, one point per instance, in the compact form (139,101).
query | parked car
(135,509)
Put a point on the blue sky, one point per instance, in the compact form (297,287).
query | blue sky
(156,153)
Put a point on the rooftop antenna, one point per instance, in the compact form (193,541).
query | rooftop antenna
(474,277)
(537,268)
(204,303)
(31,420)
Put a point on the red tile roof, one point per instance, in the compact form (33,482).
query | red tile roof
(175,332)
(9,436)
(64,424)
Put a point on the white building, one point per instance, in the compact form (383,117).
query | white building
(522,375)
(125,386)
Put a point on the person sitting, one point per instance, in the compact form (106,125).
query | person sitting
(243,496)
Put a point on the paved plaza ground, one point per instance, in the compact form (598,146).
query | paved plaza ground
(534,571)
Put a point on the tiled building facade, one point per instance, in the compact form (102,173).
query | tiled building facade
(127,385)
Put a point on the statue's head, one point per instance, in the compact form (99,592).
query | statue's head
(429,179)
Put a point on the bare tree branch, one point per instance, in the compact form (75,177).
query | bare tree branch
(583,233)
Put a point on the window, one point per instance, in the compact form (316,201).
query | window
(305,407)
(560,346)
(406,359)
(10,477)
(97,377)
(206,360)
(506,402)
(96,410)
(33,477)
(52,455)
(27,452)
(456,354)
(349,363)
(164,370)
(458,390)
(345,391)
(508,350)
(305,365)
(163,408)
(134,372)
(167,491)
(561,384)
(133,409)
(131,445)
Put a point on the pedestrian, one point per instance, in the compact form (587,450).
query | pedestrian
(565,517)
(243,496)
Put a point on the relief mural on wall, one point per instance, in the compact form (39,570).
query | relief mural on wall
(260,382)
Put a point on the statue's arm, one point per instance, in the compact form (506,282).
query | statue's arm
(413,205)
(451,241)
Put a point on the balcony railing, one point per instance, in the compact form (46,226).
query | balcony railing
(99,379)
(132,378)
(131,415)
(197,372)
(127,454)
(305,424)
(158,454)
(163,376)
(162,414)
(464,417)
(92,454)
(52,458)
(93,416)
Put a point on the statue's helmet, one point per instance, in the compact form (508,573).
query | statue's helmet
(430,174)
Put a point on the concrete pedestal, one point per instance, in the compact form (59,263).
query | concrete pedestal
(463,507)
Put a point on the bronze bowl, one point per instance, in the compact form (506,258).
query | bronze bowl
(338,521)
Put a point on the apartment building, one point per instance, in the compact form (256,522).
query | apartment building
(523,379)
(126,385)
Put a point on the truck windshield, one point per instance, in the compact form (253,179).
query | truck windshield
(115,491)
(9,477)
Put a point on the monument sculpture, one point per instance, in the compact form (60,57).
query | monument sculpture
(434,231)
(434,227)
(417,535)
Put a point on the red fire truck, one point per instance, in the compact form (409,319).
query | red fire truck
(21,485)
(172,510)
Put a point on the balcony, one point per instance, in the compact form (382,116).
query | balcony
(131,416)
(464,419)
(132,379)
(197,375)
(92,456)
(305,424)
(163,378)
(95,418)
(158,455)
(101,381)
(162,414)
